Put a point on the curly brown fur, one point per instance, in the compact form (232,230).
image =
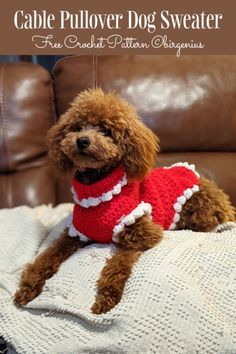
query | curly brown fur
(206,209)
(134,240)
(114,131)
(45,266)
(99,132)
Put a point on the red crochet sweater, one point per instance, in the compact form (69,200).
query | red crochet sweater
(104,208)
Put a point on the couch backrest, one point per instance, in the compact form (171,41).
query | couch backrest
(189,102)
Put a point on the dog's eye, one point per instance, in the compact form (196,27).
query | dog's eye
(78,128)
(107,132)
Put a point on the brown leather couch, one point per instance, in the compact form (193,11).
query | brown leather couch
(189,102)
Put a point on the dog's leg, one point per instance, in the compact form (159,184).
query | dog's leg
(46,264)
(134,240)
(206,209)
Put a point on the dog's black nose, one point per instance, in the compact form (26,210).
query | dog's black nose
(82,143)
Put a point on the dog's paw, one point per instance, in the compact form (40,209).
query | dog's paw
(24,295)
(103,304)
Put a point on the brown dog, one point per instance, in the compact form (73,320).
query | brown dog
(99,134)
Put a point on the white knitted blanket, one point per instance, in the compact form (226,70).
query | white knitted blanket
(180,298)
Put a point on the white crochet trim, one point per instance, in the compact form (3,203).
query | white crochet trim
(105,197)
(186,165)
(73,232)
(140,210)
(180,201)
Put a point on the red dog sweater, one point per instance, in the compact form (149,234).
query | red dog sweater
(103,209)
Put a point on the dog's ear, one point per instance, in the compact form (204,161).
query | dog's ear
(142,147)
(54,137)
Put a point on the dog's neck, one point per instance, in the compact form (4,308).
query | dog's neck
(91,175)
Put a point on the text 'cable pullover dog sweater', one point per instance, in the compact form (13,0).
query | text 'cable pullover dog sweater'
(103,209)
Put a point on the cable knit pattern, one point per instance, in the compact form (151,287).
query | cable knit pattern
(102,208)
(180,298)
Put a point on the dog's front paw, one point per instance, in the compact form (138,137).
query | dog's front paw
(104,303)
(25,294)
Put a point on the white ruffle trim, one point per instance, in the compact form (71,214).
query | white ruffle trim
(73,232)
(140,210)
(180,201)
(105,197)
(186,195)
(186,165)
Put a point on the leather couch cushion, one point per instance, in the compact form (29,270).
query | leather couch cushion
(27,112)
(31,186)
